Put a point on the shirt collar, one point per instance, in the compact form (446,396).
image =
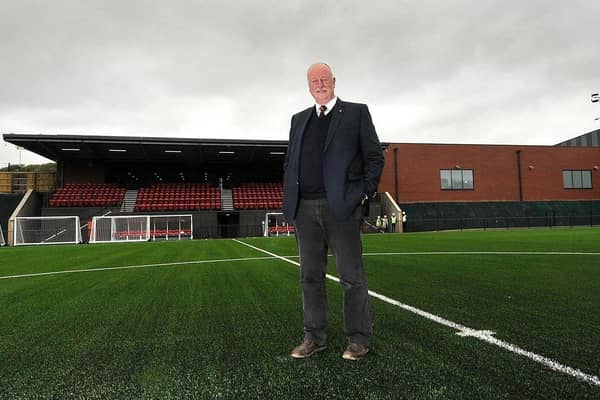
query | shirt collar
(329,106)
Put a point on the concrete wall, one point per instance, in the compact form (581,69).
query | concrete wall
(205,224)
(252,221)
(29,206)
(8,203)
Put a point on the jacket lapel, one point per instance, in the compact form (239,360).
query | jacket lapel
(303,122)
(338,113)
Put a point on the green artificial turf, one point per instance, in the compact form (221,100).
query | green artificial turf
(225,329)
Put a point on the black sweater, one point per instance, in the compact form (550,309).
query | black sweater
(312,185)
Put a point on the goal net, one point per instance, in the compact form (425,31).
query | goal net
(171,227)
(138,228)
(276,225)
(119,229)
(46,230)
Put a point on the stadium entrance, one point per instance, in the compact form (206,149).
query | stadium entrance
(229,224)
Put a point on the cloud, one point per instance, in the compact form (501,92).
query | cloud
(455,71)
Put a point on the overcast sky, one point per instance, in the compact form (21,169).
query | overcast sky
(445,71)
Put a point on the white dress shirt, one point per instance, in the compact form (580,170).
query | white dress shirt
(329,106)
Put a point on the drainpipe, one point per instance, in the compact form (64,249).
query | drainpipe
(520,177)
(396,173)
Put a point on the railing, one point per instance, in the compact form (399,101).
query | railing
(421,224)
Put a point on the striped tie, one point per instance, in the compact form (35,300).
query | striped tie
(322,111)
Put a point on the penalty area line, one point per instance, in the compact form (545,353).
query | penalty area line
(483,335)
(172,264)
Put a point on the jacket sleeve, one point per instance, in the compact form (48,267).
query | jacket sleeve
(287,153)
(371,151)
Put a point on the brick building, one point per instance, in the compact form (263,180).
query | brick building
(419,173)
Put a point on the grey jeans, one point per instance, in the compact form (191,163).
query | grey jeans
(317,230)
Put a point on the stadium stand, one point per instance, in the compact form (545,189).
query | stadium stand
(178,196)
(88,195)
(258,195)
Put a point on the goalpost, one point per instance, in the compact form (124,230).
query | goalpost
(276,225)
(140,228)
(46,230)
(2,241)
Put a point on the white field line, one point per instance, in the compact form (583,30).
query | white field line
(518,253)
(285,258)
(467,253)
(484,335)
(172,264)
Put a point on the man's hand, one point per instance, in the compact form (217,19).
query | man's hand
(364,199)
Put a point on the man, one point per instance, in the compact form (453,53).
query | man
(393,222)
(332,167)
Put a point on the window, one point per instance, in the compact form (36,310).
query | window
(446,179)
(577,179)
(567,180)
(456,179)
(467,179)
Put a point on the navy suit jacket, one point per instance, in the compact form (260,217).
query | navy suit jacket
(352,159)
